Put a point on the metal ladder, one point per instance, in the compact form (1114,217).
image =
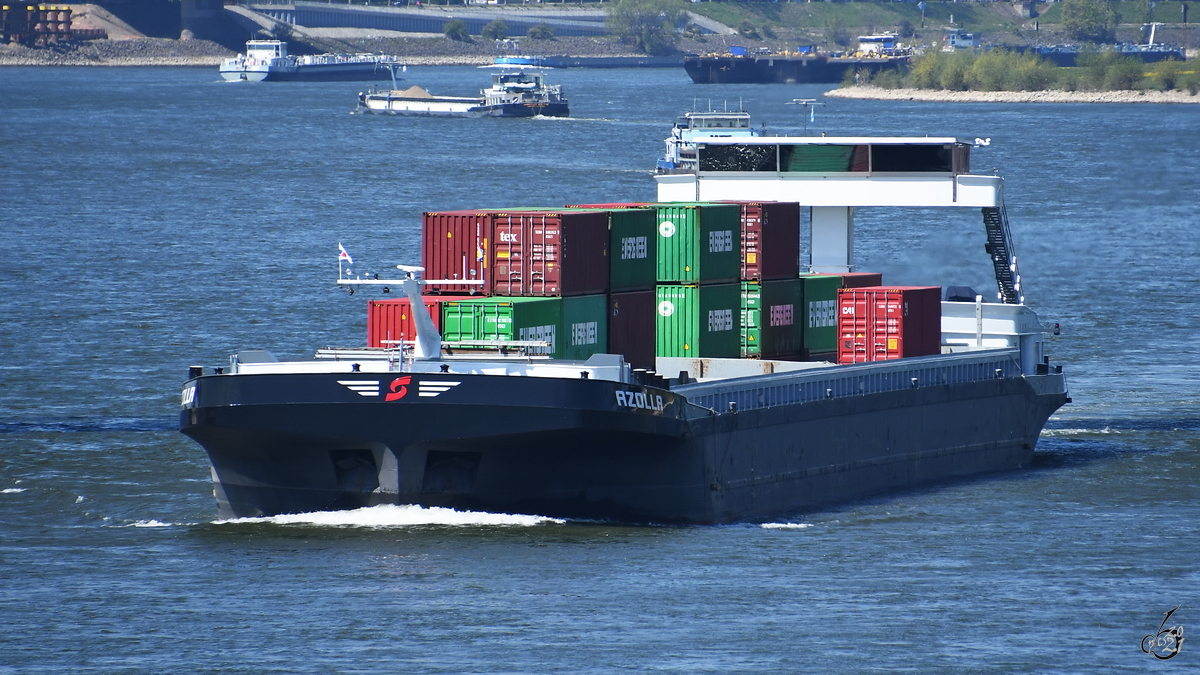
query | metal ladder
(1000,247)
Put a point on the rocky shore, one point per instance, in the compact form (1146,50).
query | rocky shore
(940,96)
(134,52)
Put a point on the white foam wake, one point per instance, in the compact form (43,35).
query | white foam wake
(408,515)
(11,491)
(785,526)
(1078,432)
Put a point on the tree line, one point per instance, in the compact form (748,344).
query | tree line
(1005,70)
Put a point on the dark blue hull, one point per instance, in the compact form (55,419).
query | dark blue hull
(527,110)
(781,69)
(605,450)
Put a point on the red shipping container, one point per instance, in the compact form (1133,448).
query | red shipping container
(878,323)
(391,319)
(770,240)
(454,248)
(548,253)
(631,327)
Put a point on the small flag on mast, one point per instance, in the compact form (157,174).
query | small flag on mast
(342,255)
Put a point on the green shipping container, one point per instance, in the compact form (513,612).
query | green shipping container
(781,320)
(504,318)
(634,249)
(820,301)
(584,327)
(576,327)
(751,313)
(699,243)
(699,321)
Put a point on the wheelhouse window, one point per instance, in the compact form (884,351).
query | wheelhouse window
(824,158)
(738,158)
(912,158)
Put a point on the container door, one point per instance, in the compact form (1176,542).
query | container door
(508,260)
(780,240)
(855,326)
(676,328)
(544,268)
(719,321)
(782,318)
(719,234)
(631,327)
(634,246)
(584,327)
(678,245)
(751,312)
(582,266)
(454,248)
(820,314)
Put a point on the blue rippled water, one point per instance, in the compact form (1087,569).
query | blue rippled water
(158,218)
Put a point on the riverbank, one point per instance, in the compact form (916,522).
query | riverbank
(413,50)
(942,96)
(132,52)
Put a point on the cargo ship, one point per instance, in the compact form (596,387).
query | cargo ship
(518,94)
(805,66)
(269,61)
(560,61)
(661,362)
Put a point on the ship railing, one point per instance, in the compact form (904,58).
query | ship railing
(790,388)
(355,354)
(528,347)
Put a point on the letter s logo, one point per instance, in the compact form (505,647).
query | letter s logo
(398,389)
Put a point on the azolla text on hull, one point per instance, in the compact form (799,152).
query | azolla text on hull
(669,361)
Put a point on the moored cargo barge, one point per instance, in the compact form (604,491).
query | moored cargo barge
(475,415)
(875,53)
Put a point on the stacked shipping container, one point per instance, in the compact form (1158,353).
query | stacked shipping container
(703,280)
(819,303)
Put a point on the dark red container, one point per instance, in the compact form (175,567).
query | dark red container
(390,320)
(549,253)
(770,240)
(878,323)
(855,279)
(454,248)
(861,279)
(631,324)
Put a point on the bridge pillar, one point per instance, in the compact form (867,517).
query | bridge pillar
(831,239)
(208,20)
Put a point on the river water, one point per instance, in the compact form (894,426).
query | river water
(152,219)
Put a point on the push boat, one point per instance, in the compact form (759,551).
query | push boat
(697,126)
(518,94)
(268,60)
(694,439)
